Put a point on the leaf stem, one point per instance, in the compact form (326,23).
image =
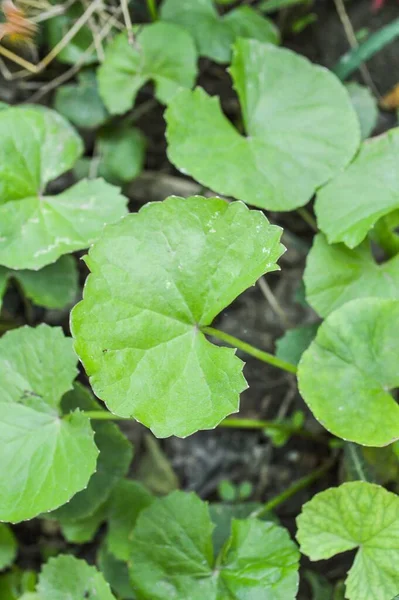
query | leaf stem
(104,415)
(297,486)
(251,350)
(261,424)
(152,9)
(308,218)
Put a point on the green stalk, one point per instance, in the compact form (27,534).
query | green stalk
(261,424)
(297,486)
(152,9)
(103,415)
(251,350)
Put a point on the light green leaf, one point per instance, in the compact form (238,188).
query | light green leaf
(84,530)
(294,342)
(128,499)
(8,546)
(300,130)
(259,559)
(365,106)
(36,146)
(346,207)
(113,462)
(162,53)
(54,286)
(346,375)
(116,573)
(67,578)
(335,275)
(215,35)
(121,153)
(45,459)
(356,515)
(156,278)
(81,103)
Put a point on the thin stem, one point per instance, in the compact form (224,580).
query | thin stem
(152,9)
(251,350)
(262,424)
(103,415)
(299,485)
(308,218)
(128,21)
(274,303)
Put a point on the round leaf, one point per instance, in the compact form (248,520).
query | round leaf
(161,52)
(113,462)
(121,152)
(356,515)
(214,35)
(346,375)
(8,546)
(300,130)
(156,278)
(54,286)
(335,275)
(67,578)
(36,146)
(45,459)
(346,207)
(172,555)
(81,104)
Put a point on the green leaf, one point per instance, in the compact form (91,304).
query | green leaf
(215,35)
(121,153)
(259,559)
(156,278)
(67,578)
(8,546)
(128,499)
(346,207)
(54,286)
(320,586)
(346,375)
(355,515)
(57,27)
(36,146)
(113,462)
(365,106)
(81,103)
(294,342)
(300,130)
(162,53)
(116,573)
(84,530)
(155,471)
(45,459)
(335,275)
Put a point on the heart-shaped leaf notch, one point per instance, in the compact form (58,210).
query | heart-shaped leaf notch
(158,277)
(301,129)
(36,146)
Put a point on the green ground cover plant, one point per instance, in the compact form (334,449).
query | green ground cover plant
(141,341)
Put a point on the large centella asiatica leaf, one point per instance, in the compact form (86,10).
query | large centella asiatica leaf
(158,277)
(300,130)
(36,146)
(45,458)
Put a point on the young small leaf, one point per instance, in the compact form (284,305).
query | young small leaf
(54,286)
(161,52)
(214,35)
(81,103)
(76,50)
(347,373)
(258,560)
(346,207)
(84,530)
(8,546)
(365,106)
(116,573)
(334,275)
(67,578)
(300,130)
(45,459)
(362,515)
(36,146)
(121,153)
(156,278)
(113,462)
